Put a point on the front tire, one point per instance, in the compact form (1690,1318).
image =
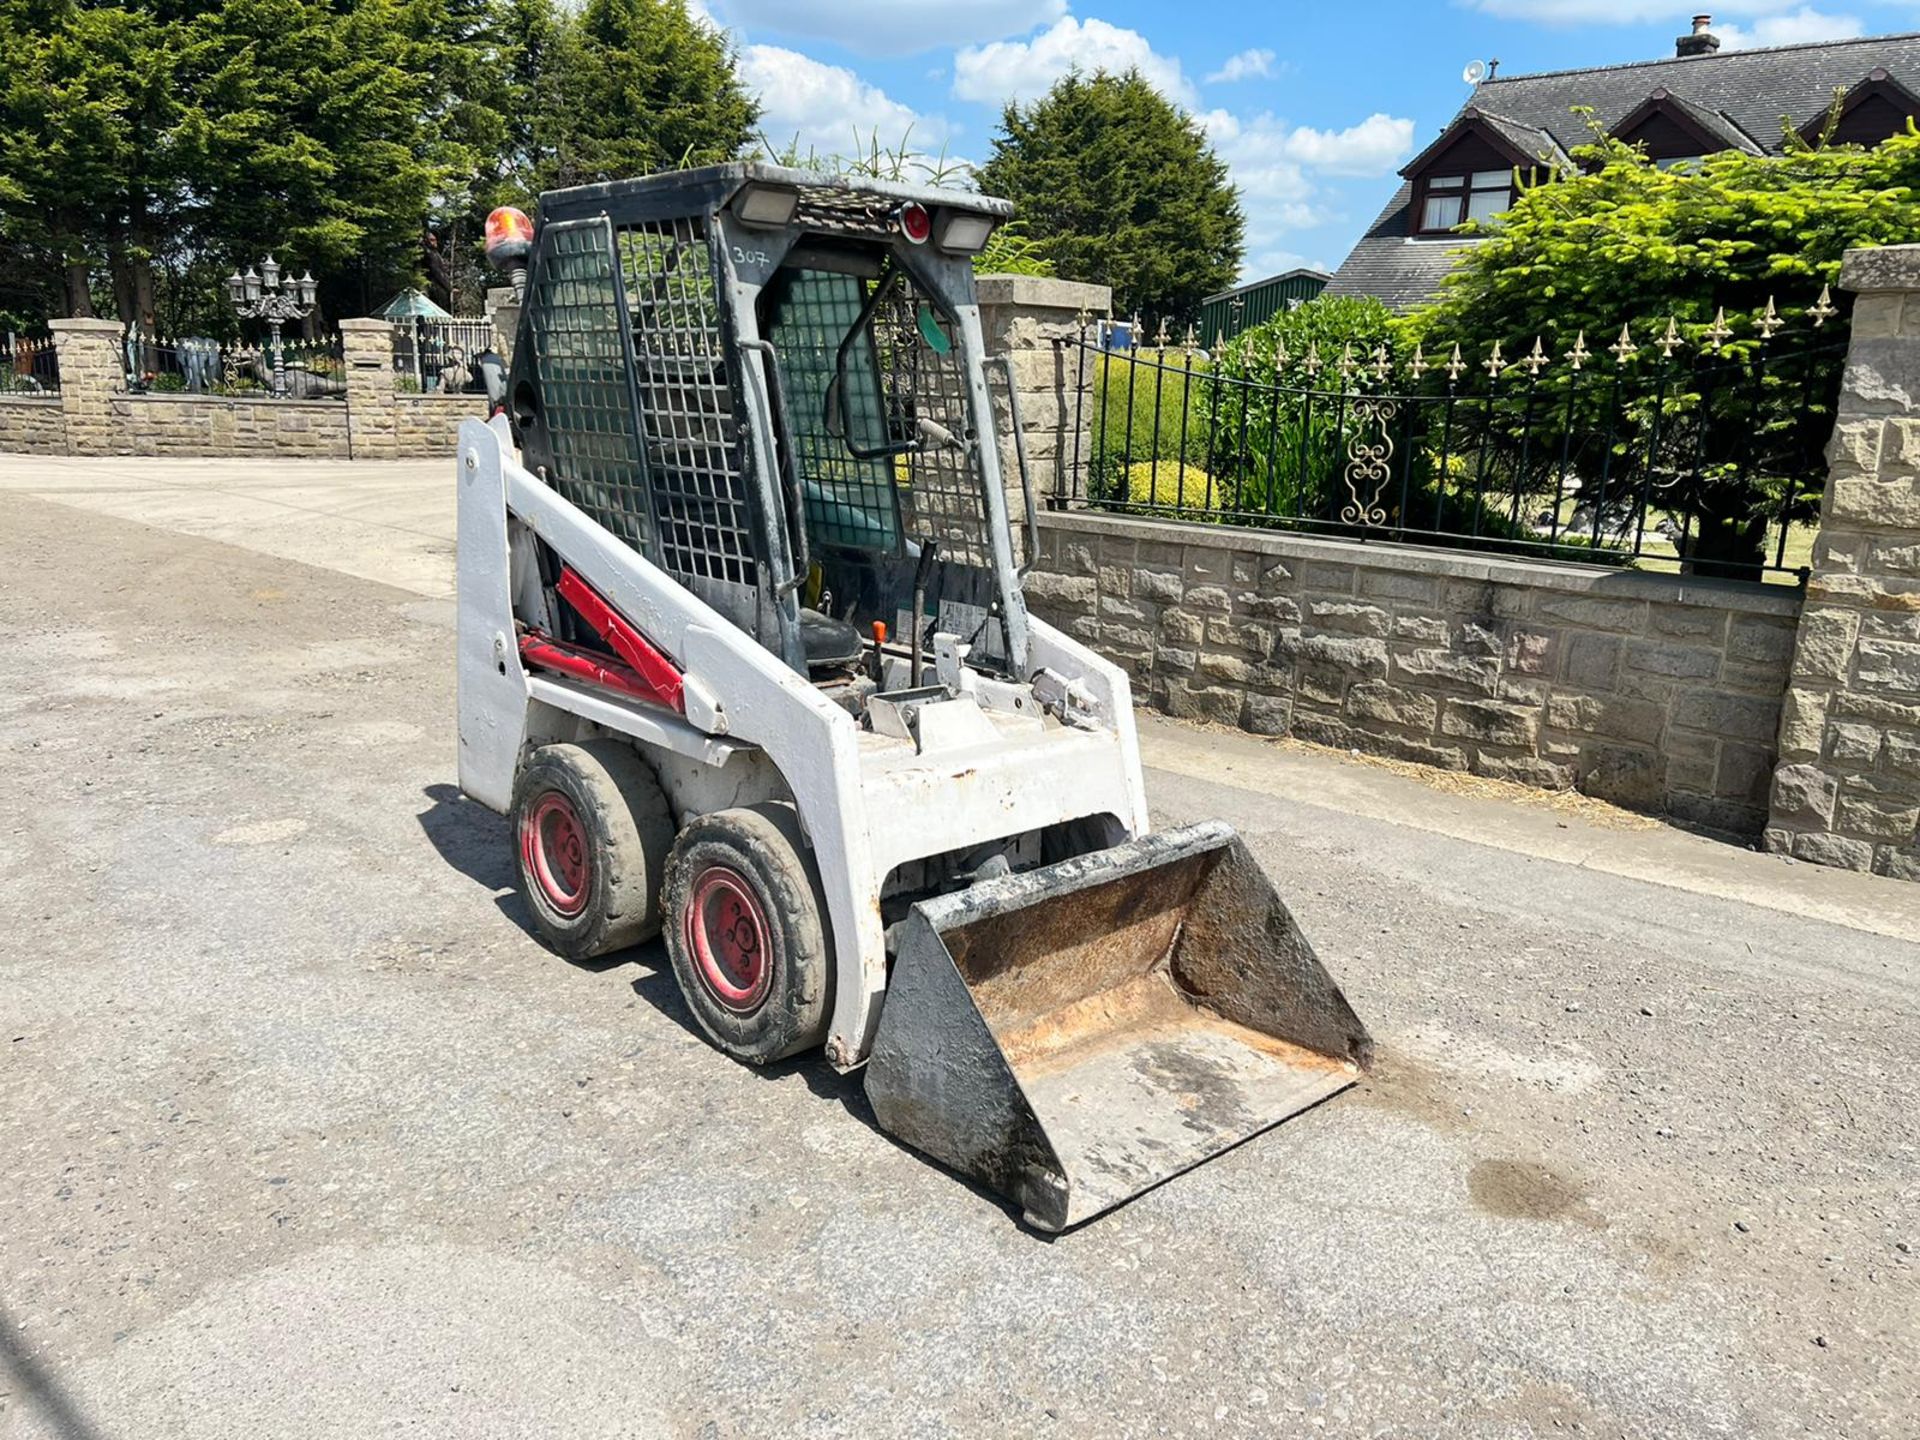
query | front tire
(592,831)
(746,932)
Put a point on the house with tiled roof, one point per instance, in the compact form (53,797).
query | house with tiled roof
(1699,101)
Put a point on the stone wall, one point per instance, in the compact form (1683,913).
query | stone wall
(428,424)
(92,373)
(1848,790)
(32,425)
(217,425)
(1649,690)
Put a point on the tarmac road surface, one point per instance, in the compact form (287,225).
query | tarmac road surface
(305,1136)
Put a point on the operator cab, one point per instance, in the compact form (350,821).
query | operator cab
(770,382)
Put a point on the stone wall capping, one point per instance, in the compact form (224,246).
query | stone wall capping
(1881,270)
(1044,292)
(188,399)
(1737,596)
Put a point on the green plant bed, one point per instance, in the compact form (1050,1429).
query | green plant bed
(1121,407)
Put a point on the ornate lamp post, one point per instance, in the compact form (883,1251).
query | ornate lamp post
(267,295)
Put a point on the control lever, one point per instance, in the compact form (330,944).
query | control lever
(929,550)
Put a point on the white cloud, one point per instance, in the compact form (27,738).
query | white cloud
(1376,146)
(1025,69)
(893,27)
(1622,12)
(1243,66)
(829,108)
(1278,167)
(1260,264)
(1737,23)
(1797,28)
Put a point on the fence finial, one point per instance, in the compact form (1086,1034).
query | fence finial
(1382,365)
(1313,363)
(1823,309)
(1457,365)
(1624,349)
(1536,360)
(1671,341)
(1280,355)
(1769,322)
(1577,356)
(1417,366)
(1495,364)
(1718,332)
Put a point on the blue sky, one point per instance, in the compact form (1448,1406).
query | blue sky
(1314,106)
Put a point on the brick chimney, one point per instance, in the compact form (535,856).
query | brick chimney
(1701,42)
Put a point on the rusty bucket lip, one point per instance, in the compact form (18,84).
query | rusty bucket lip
(1006,893)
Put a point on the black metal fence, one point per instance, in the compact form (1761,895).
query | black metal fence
(28,366)
(201,365)
(1696,448)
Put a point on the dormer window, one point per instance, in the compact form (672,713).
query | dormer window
(1451,200)
(1671,130)
(1878,107)
(1470,172)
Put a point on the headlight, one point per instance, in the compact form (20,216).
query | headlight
(768,205)
(964,232)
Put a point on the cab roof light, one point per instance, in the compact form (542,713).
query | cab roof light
(509,238)
(962,232)
(770,206)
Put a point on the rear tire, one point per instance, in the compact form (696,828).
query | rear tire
(747,934)
(592,831)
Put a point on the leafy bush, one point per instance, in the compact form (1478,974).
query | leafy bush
(1011,251)
(1166,485)
(1624,241)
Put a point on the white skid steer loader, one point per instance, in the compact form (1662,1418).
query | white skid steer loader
(743,655)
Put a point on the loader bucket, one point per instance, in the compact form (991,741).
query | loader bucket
(1074,1035)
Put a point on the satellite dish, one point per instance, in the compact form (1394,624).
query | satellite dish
(1475,72)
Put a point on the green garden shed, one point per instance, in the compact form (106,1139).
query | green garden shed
(1225,315)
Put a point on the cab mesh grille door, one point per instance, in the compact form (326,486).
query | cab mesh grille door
(583,355)
(690,415)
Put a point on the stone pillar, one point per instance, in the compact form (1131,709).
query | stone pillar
(1847,790)
(92,371)
(372,428)
(1022,317)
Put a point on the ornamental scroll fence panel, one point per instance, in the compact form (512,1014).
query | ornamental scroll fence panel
(28,366)
(201,365)
(1697,448)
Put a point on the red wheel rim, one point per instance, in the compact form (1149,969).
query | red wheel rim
(728,937)
(553,850)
